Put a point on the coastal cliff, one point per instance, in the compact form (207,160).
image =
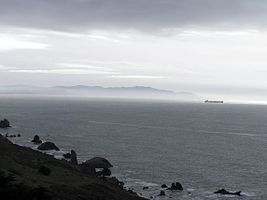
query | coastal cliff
(30,174)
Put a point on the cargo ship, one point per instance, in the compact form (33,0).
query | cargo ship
(207,101)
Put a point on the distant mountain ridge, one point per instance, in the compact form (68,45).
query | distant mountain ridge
(99,91)
(135,88)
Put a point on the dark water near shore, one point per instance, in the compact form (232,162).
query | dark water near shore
(204,146)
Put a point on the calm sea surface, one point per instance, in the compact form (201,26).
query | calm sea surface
(205,147)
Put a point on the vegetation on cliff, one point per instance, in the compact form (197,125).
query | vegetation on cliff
(29,174)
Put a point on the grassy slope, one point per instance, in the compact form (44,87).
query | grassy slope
(66,181)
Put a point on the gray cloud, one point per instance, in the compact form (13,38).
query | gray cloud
(147,15)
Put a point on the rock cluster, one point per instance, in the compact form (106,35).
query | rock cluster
(14,135)
(72,157)
(91,165)
(66,155)
(48,146)
(70,183)
(4,123)
(176,186)
(104,172)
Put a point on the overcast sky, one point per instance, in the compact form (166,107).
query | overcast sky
(214,48)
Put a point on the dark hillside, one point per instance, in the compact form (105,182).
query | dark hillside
(23,175)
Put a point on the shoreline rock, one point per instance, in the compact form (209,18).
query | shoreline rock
(104,172)
(11,136)
(91,165)
(4,123)
(164,186)
(98,162)
(225,192)
(48,146)
(73,157)
(36,139)
(176,186)
(66,155)
(162,193)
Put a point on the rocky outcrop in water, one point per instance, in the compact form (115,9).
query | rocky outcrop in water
(162,193)
(98,162)
(11,136)
(48,146)
(73,157)
(36,139)
(104,172)
(225,192)
(91,165)
(176,186)
(66,155)
(4,123)
(164,186)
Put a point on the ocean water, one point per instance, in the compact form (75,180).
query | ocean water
(205,147)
